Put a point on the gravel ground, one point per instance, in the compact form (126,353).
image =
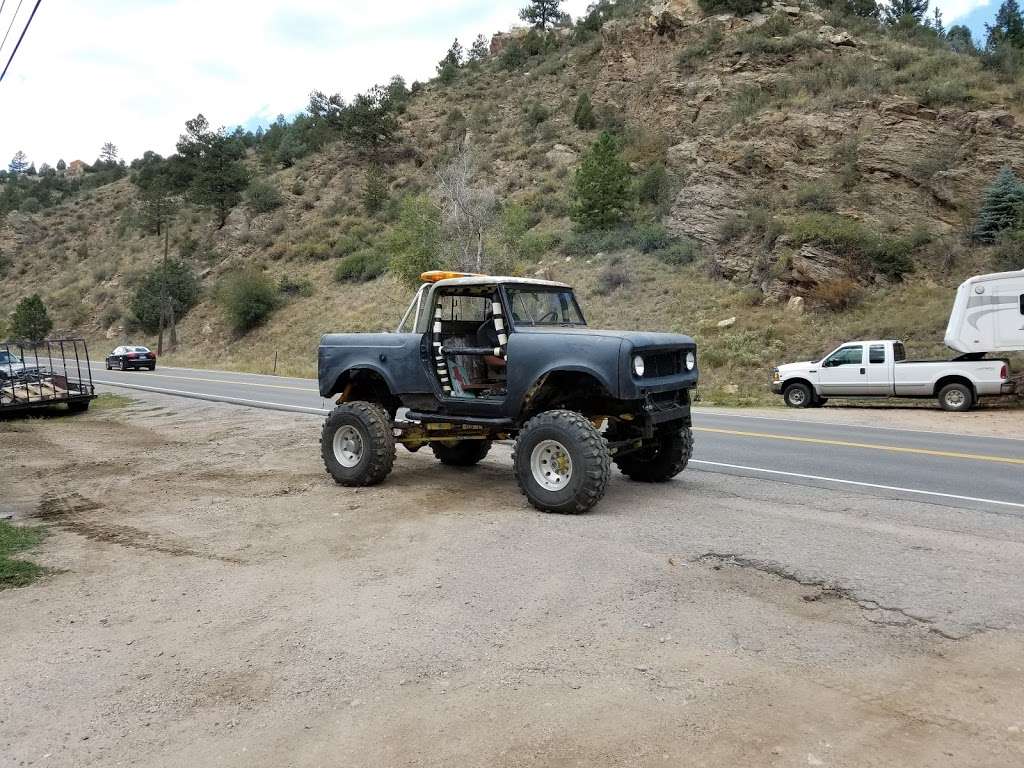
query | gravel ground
(215,600)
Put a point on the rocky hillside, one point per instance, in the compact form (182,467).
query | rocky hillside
(829,171)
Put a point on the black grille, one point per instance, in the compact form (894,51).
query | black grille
(659,364)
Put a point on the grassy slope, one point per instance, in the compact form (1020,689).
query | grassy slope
(85,255)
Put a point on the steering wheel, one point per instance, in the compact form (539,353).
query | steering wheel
(552,316)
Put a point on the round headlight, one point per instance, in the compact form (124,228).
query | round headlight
(691,361)
(638,365)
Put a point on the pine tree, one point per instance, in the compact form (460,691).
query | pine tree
(584,117)
(905,12)
(375,189)
(542,13)
(480,50)
(108,153)
(19,163)
(448,67)
(1008,27)
(603,198)
(1002,207)
(216,175)
(960,39)
(61,166)
(30,321)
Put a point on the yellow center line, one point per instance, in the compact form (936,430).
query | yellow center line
(310,390)
(868,446)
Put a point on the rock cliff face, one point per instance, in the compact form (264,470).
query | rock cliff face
(905,164)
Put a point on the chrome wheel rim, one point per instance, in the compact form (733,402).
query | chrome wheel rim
(348,446)
(797,397)
(955,398)
(551,465)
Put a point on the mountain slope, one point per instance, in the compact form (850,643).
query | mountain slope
(810,156)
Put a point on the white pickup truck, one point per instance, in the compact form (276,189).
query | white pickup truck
(881,369)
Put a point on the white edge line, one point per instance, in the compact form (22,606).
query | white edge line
(217,398)
(857,483)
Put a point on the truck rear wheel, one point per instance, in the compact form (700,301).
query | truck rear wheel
(660,459)
(956,397)
(464,453)
(358,444)
(798,396)
(562,463)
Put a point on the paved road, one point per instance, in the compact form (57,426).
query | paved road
(954,470)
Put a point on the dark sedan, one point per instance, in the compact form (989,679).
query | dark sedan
(127,358)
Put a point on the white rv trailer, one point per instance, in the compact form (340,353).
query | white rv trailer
(988,315)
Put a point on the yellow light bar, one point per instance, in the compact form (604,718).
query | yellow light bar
(438,275)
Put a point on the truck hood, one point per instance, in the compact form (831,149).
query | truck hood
(790,368)
(639,339)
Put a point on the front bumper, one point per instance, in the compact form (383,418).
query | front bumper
(655,413)
(777,387)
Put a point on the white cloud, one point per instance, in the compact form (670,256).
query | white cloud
(953,10)
(132,71)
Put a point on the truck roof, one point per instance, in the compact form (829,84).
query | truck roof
(872,341)
(498,280)
(994,276)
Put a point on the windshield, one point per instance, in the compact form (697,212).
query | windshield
(6,358)
(539,306)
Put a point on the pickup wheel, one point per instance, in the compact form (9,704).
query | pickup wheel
(956,397)
(798,396)
(660,459)
(464,453)
(562,463)
(358,444)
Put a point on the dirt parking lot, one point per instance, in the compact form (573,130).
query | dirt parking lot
(215,600)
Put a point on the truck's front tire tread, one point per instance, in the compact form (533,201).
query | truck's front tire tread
(798,396)
(591,462)
(671,453)
(377,433)
(464,453)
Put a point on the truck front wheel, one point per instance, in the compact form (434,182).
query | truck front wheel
(660,459)
(562,463)
(798,396)
(358,444)
(956,397)
(463,453)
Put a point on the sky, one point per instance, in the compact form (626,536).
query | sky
(133,71)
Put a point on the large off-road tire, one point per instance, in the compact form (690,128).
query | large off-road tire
(661,458)
(358,444)
(562,463)
(956,397)
(798,396)
(464,453)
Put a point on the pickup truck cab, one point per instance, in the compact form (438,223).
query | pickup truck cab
(881,369)
(479,358)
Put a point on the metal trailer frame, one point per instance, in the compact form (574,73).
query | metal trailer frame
(54,371)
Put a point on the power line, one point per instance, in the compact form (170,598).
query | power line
(22,37)
(13,19)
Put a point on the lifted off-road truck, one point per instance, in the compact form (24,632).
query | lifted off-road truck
(478,359)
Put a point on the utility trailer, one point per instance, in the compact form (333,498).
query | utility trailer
(50,373)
